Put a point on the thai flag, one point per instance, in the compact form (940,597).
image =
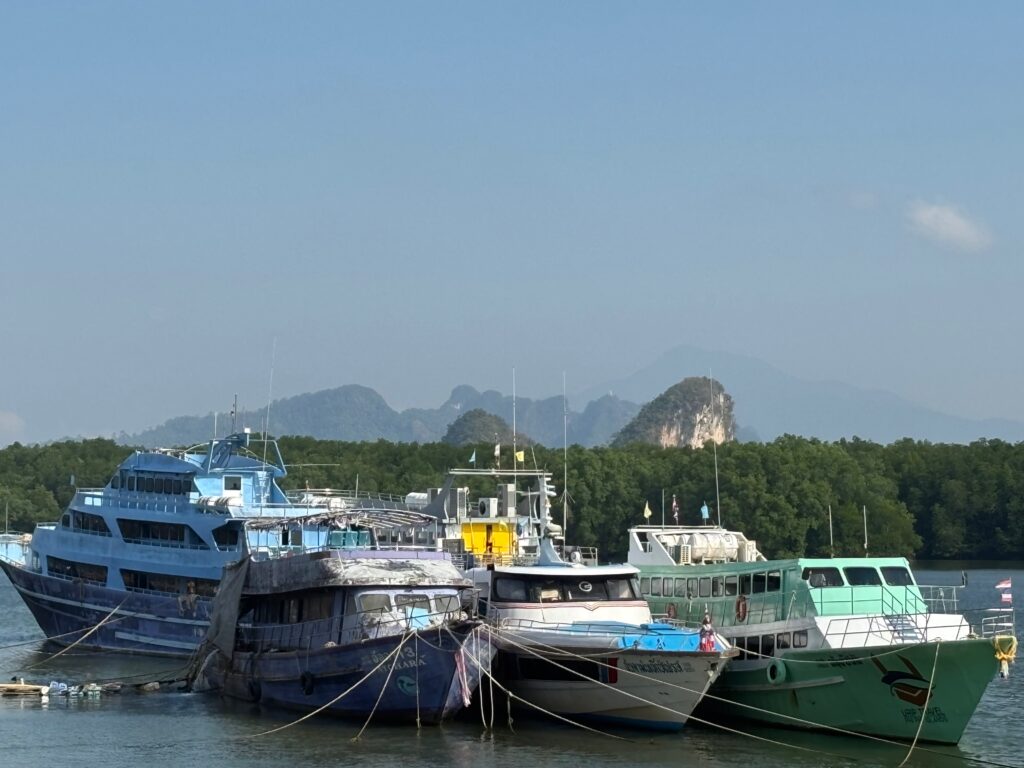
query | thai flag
(1005,598)
(1004,584)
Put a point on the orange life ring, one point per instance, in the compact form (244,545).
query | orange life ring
(741,609)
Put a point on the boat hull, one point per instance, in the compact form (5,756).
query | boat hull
(880,691)
(433,676)
(653,691)
(136,622)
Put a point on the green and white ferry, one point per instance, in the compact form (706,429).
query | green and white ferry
(841,644)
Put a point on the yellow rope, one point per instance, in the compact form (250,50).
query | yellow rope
(1006,652)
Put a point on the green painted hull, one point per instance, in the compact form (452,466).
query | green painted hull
(878,691)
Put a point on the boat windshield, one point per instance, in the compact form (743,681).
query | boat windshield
(576,589)
(897,576)
(862,576)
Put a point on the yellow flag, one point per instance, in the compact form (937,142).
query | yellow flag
(647,510)
(521,456)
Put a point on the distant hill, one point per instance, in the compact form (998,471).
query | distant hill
(770,403)
(478,426)
(358,413)
(689,413)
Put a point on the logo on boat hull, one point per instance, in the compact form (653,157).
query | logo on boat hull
(910,686)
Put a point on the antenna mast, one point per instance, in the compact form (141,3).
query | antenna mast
(515,464)
(270,393)
(565,461)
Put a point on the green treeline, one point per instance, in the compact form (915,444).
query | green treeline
(924,500)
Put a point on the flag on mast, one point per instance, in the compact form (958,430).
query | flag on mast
(1006,597)
(472,459)
(675,508)
(1004,584)
(704,513)
(521,456)
(647,510)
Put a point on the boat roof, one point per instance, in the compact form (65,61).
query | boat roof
(568,570)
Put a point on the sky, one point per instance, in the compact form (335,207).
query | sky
(204,199)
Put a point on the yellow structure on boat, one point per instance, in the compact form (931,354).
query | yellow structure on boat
(490,537)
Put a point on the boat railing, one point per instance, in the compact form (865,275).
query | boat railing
(998,622)
(596,628)
(322,497)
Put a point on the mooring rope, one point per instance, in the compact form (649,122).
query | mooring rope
(833,729)
(64,650)
(333,701)
(924,707)
(385,686)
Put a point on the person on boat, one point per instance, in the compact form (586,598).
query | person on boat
(707,634)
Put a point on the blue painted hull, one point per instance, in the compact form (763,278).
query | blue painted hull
(138,622)
(434,676)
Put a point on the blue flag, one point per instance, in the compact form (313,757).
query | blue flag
(704,514)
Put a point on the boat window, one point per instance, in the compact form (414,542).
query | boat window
(158,486)
(716,586)
(680,587)
(176,486)
(585,589)
(760,582)
(730,586)
(84,521)
(510,589)
(446,603)
(767,645)
(656,587)
(753,645)
(65,520)
(232,483)
(149,484)
(225,536)
(800,639)
(897,576)
(115,482)
(691,587)
(620,589)
(862,576)
(317,605)
(705,587)
(745,584)
(69,569)
(131,482)
(823,577)
(782,640)
(374,602)
(645,585)
(774,583)
(413,601)
(547,591)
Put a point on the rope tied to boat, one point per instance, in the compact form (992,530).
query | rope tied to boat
(62,651)
(1006,652)
(924,707)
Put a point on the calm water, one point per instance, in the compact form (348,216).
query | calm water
(173,728)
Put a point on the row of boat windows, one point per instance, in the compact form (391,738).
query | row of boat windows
(858,576)
(712,586)
(541,590)
(133,580)
(757,583)
(765,645)
(311,606)
(148,530)
(151,483)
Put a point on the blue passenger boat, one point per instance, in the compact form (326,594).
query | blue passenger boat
(349,629)
(133,566)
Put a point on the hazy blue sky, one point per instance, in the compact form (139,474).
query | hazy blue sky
(417,195)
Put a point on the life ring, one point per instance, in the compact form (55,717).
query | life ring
(308,682)
(670,611)
(741,609)
(776,671)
